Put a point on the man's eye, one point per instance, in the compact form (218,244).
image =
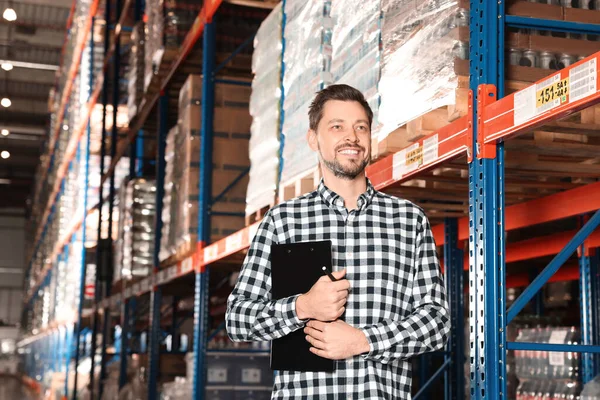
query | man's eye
(337,127)
(361,128)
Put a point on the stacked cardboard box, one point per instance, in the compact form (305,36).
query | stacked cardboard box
(168,24)
(355,47)
(231,134)
(307,60)
(417,68)
(264,108)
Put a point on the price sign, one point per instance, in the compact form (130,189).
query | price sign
(553,93)
(187,265)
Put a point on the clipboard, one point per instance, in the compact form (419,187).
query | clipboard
(295,267)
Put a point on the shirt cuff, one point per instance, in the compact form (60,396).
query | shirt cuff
(287,308)
(373,338)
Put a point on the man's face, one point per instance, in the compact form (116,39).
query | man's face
(343,138)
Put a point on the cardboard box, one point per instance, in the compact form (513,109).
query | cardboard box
(169,364)
(226,95)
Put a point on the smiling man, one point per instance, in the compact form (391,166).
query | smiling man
(388,303)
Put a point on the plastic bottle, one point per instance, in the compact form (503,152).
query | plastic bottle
(591,390)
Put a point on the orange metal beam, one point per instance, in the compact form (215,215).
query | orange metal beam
(567,91)
(569,203)
(569,272)
(445,144)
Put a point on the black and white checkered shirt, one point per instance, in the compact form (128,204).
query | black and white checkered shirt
(397,296)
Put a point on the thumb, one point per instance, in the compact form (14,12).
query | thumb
(339,274)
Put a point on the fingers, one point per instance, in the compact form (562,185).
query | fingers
(315,342)
(315,334)
(315,324)
(339,274)
(341,285)
(340,312)
(341,295)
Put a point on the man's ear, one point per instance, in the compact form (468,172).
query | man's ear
(311,137)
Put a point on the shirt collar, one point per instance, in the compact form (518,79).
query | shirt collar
(333,199)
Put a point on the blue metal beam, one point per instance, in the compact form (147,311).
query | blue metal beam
(576,348)
(83,268)
(237,51)
(433,378)
(233,82)
(486,214)
(156,294)
(554,265)
(586,303)
(205,198)
(231,185)
(552,25)
(453,261)
(124,353)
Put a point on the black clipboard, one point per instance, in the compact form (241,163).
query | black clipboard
(295,267)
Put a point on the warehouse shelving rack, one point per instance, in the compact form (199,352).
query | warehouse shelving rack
(479,136)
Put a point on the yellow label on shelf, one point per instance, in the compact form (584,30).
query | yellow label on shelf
(552,94)
(415,156)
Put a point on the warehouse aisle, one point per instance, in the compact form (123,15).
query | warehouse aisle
(11,388)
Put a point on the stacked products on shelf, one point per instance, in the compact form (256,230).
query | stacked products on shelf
(543,374)
(355,47)
(135,243)
(307,60)
(417,66)
(231,133)
(167,25)
(135,76)
(264,108)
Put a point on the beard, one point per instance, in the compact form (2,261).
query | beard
(348,172)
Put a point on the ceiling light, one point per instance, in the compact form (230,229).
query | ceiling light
(6,66)
(65,127)
(5,102)
(9,14)
(5,154)
(5,132)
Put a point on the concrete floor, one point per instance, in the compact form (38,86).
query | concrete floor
(12,389)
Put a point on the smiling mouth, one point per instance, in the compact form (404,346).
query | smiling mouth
(350,152)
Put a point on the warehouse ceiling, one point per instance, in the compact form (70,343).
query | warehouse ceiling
(31,44)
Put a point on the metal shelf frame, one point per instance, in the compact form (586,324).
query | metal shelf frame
(479,135)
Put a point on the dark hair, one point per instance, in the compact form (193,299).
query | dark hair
(335,92)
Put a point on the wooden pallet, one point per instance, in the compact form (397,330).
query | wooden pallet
(302,184)
(183,251)
(258,214)
(423,125)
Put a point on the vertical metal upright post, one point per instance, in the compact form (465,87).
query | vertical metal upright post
(156,295)
(175,343)
(586,302)
(486,211)
(282,90)
(124,343)
(83,269)
(453,261)
(97,286)
(139,162)
(205,199)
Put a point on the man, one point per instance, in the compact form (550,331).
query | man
(389,288)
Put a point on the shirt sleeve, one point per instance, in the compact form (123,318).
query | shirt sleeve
(251,314)
(426,328)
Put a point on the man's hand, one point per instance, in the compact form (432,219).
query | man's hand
(335,340)
(325,300)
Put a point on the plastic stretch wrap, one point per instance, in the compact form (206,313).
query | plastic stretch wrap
(135,81)
(307,60)
(135,242)
(417,73)
(168,24)
(264,108)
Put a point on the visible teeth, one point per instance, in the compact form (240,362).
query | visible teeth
(349,151)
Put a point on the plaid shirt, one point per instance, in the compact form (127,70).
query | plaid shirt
(397,296)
